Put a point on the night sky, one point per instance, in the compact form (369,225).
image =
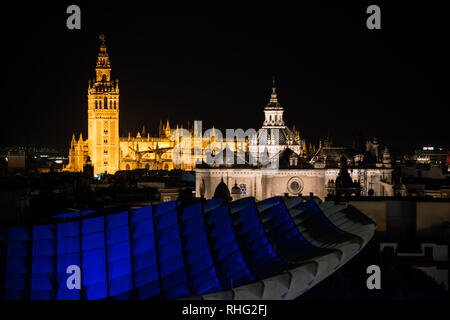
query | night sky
(334,76)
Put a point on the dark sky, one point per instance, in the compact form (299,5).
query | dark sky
(334,76)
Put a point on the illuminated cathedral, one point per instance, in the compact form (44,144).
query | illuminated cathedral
(108,153)
(104,148)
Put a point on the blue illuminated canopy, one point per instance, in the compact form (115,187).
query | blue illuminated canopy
(209,249)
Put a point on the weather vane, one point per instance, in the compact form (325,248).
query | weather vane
(102,37)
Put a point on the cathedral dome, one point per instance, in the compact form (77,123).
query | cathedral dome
(273,103)
(274,131)
(281,136)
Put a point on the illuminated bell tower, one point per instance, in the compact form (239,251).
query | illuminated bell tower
(103,116)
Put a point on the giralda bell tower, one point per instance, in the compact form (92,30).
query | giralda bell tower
(103,116)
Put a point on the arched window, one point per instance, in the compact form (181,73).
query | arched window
(96,104)
(100,104)
(106,103)
(104,77)
(115,104)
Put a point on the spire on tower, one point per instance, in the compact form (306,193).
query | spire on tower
(103,59)
(102,38)
(273,110)
(167,129)
(160,128)
(273,96)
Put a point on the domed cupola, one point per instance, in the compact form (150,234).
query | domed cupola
(235,191)
(274,136)
(273,111)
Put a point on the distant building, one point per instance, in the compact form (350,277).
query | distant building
(436,156)
(169,194)
(426,175)
(369,170)
(415,230)
(16,159)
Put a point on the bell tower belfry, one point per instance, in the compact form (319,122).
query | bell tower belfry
(273,112)
(103,116)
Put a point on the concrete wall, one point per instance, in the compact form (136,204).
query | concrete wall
(431,214)
(428,214)
(377,210)
(259,184)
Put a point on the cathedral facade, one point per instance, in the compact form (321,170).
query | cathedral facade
(107,152)
(329,170)
(104,148)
